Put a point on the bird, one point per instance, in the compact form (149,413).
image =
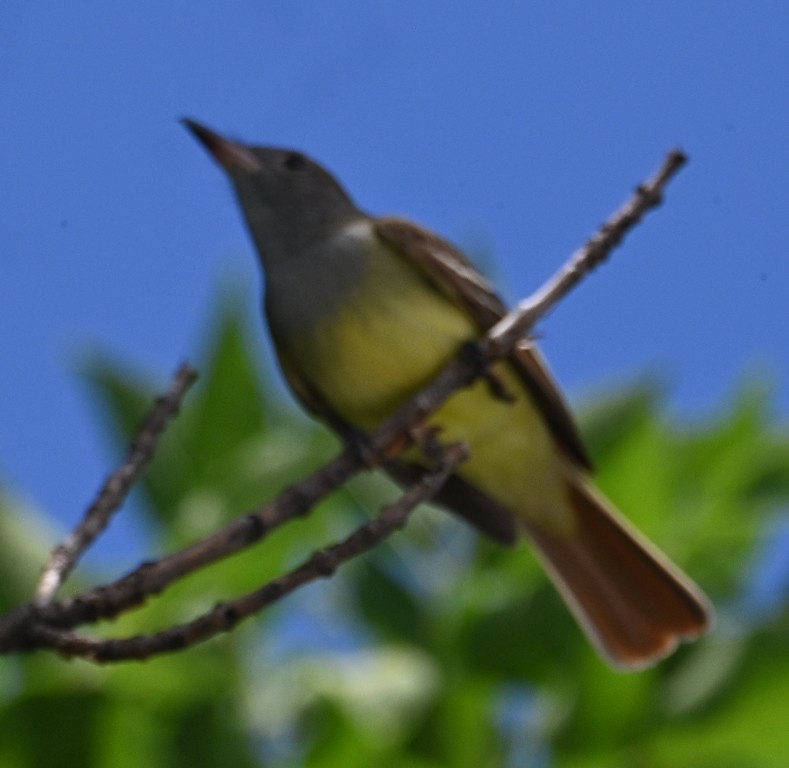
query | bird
(364,311)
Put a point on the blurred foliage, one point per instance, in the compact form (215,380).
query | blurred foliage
(438,649)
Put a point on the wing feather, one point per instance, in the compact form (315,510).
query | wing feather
(454,275)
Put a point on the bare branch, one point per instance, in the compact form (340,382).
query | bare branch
(65,555)
(31,626)
(593,253)
(151,578)
(224,616)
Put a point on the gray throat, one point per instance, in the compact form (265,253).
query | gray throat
(305,286)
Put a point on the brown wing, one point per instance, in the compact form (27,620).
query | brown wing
(452,274)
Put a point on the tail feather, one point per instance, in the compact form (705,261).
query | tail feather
(631,601)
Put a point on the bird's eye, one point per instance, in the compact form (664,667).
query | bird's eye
(295,161)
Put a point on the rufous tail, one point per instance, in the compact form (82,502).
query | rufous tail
(632,602)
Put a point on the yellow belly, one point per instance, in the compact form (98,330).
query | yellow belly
(392,336)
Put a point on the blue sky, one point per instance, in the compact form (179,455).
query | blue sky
(512,128)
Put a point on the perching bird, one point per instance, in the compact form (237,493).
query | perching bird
(364,311)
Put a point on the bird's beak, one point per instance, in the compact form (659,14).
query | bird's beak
(229,154)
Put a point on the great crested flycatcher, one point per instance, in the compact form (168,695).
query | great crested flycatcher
(363,313)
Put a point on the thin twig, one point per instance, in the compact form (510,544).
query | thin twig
(594,252)
(151,578)
(65,555)
(224,616)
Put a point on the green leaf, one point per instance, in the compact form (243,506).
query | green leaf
(387,605)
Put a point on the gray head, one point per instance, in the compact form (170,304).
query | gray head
(289,201)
